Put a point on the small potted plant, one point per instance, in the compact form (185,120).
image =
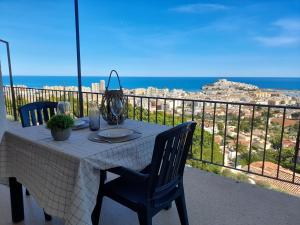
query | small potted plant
(60,126)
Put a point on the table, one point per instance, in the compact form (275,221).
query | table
(63,177)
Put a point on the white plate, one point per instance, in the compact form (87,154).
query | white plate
(78,123)
(115,133)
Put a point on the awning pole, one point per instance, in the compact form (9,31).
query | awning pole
(78,59)
(11,80)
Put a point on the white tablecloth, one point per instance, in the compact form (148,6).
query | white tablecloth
(64,176)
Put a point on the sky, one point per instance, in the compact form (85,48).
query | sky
(153,38)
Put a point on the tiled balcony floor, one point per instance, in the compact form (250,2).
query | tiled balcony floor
(211,200)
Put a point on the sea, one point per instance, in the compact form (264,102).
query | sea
(131,82)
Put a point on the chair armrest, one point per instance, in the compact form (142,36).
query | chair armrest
(129,174)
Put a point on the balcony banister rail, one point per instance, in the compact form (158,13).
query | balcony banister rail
(258,139)
(10,77)
(176,99)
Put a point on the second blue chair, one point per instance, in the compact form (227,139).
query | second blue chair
(156,186)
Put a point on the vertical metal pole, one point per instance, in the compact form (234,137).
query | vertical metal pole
(11,83)
(11,80)
(296,154)
(78,58)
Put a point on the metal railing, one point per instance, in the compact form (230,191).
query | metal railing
(10,75)
(257,139)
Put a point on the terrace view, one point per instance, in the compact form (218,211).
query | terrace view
(242,162)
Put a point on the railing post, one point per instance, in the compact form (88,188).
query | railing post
(11,80)
(78,58)
(11,83)
(297,146)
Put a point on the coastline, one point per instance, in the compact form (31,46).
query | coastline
(232,90)
(190,84)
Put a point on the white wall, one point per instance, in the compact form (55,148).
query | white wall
(2,108)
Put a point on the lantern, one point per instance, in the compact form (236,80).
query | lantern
(113,103)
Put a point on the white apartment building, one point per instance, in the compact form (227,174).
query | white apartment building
(98,87)
(95,87)
(102,86)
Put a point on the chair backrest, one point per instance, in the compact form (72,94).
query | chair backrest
(36,113)
(169,158)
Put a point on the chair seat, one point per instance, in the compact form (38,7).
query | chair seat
(134,194)
(127,192)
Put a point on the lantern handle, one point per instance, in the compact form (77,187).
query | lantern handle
(111,72)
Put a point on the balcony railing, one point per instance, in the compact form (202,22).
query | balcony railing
(262,140)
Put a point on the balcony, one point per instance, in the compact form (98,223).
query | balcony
(211,199)
(257,145)
(261,140)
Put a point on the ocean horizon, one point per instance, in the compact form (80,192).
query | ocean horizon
(131,82)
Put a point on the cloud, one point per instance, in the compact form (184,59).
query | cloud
(287,33)
(292,25)
(278,41)
(199,8)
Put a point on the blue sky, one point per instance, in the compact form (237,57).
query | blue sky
(154,38)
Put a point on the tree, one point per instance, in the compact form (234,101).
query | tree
(246,160)
(242,148)
(276,142)
(220,128)
(265,113)
(296,115)
(245,126)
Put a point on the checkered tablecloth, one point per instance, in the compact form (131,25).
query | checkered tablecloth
(64,176)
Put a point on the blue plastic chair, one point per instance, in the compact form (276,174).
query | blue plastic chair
(34,114)
(37,113)
(158,185)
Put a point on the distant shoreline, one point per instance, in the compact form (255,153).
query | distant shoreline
(191,84)
(158,76)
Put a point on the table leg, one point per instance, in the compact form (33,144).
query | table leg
(97,210)
(16,199)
